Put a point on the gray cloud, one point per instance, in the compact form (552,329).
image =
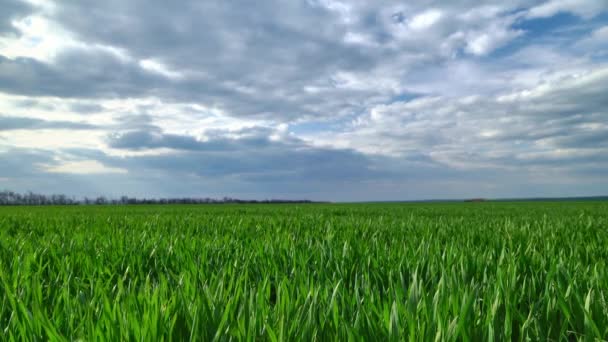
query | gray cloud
(138,140)
(11,10)
(32,103)
(316,59)
(314,173)
(8,123)
(252,155)
(21,163)
(86,108)
(593,139)
(24,170)
(561,123)
(76,73)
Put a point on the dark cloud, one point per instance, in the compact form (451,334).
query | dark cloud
(12,10)
(23,163)
(27,170)
(31,103)
(593,139)
(76,73)
(216,35)
(249,139)
(308,165)
(138,140)
(308,173)
(252,155)
(126,123)
(86,108)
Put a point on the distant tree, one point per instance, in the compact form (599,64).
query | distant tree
(30,198)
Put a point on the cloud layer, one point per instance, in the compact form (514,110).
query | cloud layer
(323,99)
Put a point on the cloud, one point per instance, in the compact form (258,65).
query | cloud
(595,43)
(86,108)
(21,163)
(583,8)
(239,60)
(8,123)
(482,43)
(250,153)
(322,99)
(144,139)
(560,122)
(86,167)
(12,10)
(76,73)
(425,19)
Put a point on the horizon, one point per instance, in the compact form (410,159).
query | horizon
(201,199)
(322,100)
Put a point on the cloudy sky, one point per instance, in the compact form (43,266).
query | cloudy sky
(342,100)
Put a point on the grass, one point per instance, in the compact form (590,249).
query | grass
(458,271)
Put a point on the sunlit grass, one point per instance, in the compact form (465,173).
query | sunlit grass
(475,271)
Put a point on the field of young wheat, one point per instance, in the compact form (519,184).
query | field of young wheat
(466,271)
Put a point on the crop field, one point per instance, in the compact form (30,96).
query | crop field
(453,271)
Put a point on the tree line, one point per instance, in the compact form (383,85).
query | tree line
(30,198)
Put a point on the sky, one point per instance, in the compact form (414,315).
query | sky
(340,100)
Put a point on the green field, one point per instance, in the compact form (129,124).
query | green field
(457,271)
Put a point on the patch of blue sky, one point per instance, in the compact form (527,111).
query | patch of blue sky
(312,127)
(539,31)
(561,26)
(330,125)
(561,29)
(541,26)
(403,97)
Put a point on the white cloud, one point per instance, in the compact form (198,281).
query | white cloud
(155,66)
(544,123)
(490,38)
(583,8)
(596,43)
(425,19)
(86,167)
(601,34)
(484,43)
(39,38)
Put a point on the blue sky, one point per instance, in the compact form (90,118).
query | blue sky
(319,99)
